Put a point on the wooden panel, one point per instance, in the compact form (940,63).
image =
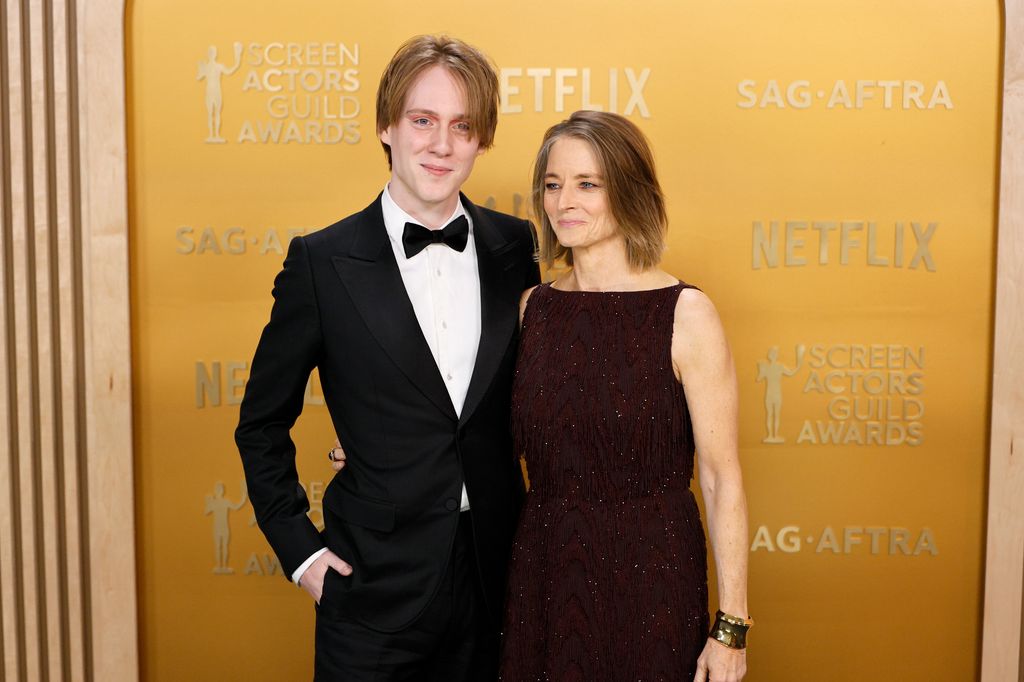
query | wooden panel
(1002,651)
(111,512)
(53,566)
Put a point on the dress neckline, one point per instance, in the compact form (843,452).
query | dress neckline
(550,286)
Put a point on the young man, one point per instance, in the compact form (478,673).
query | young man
(409,311)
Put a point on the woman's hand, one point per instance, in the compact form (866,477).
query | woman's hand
(719,663)
(337,456)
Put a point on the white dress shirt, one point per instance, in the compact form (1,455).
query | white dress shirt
(444,288)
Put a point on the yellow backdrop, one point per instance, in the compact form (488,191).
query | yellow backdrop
(830,172)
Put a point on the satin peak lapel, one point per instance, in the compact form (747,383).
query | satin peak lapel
(499,306)
(371,277)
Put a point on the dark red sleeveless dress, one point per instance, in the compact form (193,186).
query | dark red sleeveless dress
(608,578)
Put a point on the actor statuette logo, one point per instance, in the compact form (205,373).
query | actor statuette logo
(219,507)
(771,372)
(865,394)
(212,72)
(304,93)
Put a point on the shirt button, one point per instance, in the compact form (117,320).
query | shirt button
(444,325)
(451,504)
(449,376)
(438,272)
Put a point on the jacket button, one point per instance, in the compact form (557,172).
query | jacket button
(451,504)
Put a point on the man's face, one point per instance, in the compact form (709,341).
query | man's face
(432,147)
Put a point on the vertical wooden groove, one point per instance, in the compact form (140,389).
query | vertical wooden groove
(12,619)
(35,452)
(57,351)
(47,448)
(14,112)
(64,389)
(7,620)
(78,313)
(5,426)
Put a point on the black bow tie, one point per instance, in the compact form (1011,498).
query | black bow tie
(455,234)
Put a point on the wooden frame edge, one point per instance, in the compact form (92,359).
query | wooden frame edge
(1001,658)
(104,211)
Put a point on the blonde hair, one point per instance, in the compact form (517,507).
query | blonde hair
(634,195)
(469,66)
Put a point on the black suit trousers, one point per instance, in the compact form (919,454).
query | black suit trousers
(453,640)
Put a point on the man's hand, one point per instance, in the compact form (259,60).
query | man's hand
(337,456)
(312,581)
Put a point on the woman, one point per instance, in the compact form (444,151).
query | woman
(607,580)
(608,573)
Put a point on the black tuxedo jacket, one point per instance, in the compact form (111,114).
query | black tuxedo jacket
(340,305)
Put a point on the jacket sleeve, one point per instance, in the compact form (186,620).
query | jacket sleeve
(288,350)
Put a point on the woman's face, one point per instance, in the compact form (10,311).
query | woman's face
(575,196)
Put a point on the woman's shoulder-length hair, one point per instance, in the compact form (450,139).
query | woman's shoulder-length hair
(634,194)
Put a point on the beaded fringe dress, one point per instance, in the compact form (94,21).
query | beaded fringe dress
(608,578)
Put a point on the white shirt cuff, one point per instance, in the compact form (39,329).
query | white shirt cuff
(297,575)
